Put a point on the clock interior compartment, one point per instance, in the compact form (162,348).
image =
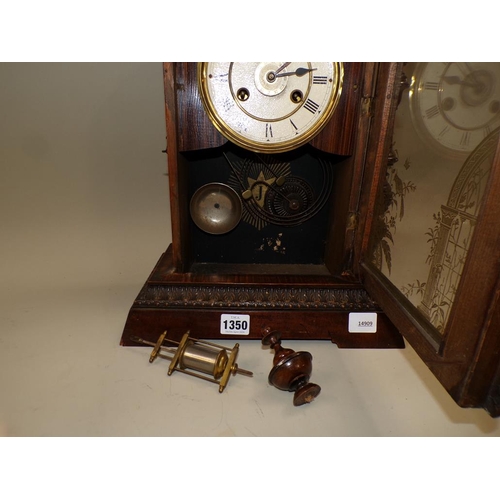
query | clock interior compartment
(287,204)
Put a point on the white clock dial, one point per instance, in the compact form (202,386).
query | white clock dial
(456,105)
(270,106)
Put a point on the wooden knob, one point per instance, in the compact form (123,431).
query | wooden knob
(306,394)
(291,370)
(272,338)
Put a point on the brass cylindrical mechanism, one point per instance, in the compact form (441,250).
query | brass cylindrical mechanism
(193,355)
(204,359)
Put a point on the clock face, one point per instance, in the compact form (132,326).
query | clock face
(456,105)
(270,106)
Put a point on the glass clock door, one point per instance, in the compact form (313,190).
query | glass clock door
(433,241)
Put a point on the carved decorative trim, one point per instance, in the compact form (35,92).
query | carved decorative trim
(252,297)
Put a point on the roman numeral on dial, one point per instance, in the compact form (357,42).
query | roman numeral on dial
(269,130)
(465,139)
(431,85)
(320,80)
(311,106)
(431,112)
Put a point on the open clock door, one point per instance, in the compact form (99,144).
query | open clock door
(429,238)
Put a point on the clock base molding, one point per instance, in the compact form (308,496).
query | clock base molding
(309,307)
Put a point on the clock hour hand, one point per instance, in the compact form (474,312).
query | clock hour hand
(297,72)
(456,80)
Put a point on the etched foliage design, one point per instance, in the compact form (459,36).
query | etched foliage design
(392,211)
(452,236)
(422,235)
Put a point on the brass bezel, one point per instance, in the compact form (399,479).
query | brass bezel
(264,146)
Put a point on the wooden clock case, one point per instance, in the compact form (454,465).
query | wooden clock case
(313,301)
(302,301)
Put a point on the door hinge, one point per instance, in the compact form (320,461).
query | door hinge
(352,221)
(366,105)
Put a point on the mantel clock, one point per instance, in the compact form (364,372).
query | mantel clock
(264,185)
(351,202)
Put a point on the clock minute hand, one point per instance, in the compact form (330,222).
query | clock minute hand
(297,72)
(282,67)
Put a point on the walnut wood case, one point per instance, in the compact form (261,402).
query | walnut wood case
(313,299)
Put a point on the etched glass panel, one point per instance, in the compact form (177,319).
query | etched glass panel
(445,134)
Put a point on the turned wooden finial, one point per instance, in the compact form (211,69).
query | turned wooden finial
(291,370)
